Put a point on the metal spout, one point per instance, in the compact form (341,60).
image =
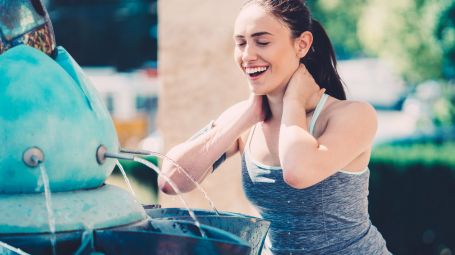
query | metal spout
(33,156)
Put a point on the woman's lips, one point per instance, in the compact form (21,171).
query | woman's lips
(256,72)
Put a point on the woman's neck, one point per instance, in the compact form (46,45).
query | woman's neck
(276,106)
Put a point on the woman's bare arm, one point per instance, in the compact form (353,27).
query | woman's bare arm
(350,131)
(197,155)
(307,160)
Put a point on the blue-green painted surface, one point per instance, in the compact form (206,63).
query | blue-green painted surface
(50,104)
(103,207)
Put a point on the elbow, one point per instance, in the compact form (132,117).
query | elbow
(165,187)
(174,186)
(297,179)
(293,181)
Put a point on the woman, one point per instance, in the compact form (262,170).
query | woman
(305,149)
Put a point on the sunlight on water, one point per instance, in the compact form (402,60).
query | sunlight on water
(50,212)
(157,170)
(6,249)
(180,169)
(125,177)
(86,240)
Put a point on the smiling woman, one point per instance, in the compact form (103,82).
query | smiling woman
(305,148)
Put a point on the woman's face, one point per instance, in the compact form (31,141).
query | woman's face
(265,50)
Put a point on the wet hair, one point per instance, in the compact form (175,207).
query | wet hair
(320,59)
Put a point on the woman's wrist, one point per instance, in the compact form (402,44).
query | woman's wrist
(249,118)
(254,111)
(293,102)
(294,112)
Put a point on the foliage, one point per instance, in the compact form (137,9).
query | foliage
(410,199)
(444,107)
(416,36)
(340,18)
(445,34)
(404,154)
(404,32)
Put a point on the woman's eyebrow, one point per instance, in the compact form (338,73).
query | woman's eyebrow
(260,34)
(257,34)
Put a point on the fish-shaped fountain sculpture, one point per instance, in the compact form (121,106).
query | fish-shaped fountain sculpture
(54,133)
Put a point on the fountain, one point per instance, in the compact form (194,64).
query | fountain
(58,138)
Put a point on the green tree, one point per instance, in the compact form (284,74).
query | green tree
(405,32)
(445,34)
(340,19)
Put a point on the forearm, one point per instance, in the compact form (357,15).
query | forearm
(198,155)
(297,147)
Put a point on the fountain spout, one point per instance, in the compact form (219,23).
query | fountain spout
(102,154)
(118,156)
(33,156)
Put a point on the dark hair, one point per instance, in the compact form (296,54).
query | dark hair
(320,60)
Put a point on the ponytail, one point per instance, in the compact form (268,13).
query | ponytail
(321,62)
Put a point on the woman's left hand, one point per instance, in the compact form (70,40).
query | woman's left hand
(302,88)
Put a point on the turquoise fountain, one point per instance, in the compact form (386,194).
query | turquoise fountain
(55,138)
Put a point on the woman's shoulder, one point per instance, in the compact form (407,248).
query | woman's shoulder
(352,106)
(351,110)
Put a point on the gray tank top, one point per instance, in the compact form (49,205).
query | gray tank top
(330,217)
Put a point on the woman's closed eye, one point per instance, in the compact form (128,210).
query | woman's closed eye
(259,43)
(240,43)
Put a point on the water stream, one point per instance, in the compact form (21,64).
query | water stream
(179,169)
(50,212)
(6,249)
(87,243)
(125,178)
(176,189)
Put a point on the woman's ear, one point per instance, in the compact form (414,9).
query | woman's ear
(303,44)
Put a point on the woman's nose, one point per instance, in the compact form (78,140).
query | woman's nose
(249,54)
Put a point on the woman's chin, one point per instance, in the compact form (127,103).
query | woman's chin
(257,91)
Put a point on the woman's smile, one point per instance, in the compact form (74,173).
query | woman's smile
(265,50)
(255,72)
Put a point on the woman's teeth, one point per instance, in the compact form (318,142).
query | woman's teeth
(255,71)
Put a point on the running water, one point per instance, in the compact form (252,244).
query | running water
(6,249)
(158,172)
(87,243)
(181,170)
(50,212)
(125,177)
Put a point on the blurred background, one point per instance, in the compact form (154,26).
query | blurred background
(165,69)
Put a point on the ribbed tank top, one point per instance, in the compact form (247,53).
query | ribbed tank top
(330,217)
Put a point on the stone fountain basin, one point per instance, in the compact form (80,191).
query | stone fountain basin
(160,237)
(103,207)
(251,229)
(163,237)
